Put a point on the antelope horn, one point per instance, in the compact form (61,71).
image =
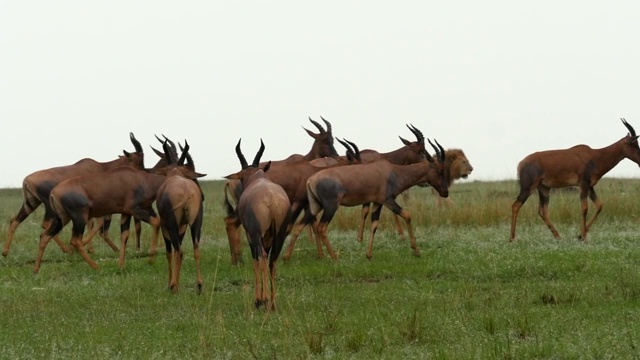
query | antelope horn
(185,153)
(173,146)
(136,143)
(256,160)
(355,148)
(317,125)
(629,127)
(417,133)
(189,158)
(438,153)
(243,161)
(171,160)
(347,146)
(328,124)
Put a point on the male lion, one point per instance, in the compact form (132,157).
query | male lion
(458,167)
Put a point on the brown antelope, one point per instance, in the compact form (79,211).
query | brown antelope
(379,182)
(179,202)
(322,147)
(292,177)
(580,166)
(264,211)
(102,225)
(297,192)
(411,153)
(125,190)
(37,186)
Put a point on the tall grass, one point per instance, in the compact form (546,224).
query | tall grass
(471,294)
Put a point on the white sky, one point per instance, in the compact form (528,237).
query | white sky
(499,79)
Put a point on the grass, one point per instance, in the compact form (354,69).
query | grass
(471,294)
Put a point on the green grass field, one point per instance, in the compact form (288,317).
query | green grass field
(471,293)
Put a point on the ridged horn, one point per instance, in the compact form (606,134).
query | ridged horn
(243,161)
(136,143)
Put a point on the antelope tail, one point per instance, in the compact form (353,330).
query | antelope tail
(228,208)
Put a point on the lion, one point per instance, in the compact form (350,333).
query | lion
(458,167)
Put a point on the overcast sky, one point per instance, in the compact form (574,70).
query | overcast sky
(499,79)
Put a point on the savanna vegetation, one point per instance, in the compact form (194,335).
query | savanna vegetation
(471,293)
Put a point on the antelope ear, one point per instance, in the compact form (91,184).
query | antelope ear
(404,141)
(126,153)
(198,175)
(266,167)
(633,139)
(158,152)
(311,133)
(235,176)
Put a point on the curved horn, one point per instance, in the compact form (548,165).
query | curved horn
(185,153)
(136,143)
(317,125)
(190,163)
(171,160)
(256,160)
(629,127)
(328,125)
(347,146)
(243,161)
(173,146)
(439,150)
(417,133)
(355,148)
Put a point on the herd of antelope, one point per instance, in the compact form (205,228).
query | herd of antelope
(274,199)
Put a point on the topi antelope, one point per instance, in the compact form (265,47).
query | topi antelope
(102,224)
(300,198)
(125,191)
(179,202)
(410,153)
(292,177)
(322,147)
(264,211)
(580,166)
(37,186)
(379,182)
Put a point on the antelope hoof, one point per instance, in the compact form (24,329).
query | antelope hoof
(199,289)
(259,303)
(5,253)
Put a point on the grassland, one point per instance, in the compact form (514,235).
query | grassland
(471,294)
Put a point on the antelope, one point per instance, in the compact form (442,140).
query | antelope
(179,202)
(292,177)
(579,165)
(297,192)
(322,147)
(379,182)
(411,153)
(37,186)
(264,211)
(102,224)
(125,190)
